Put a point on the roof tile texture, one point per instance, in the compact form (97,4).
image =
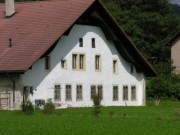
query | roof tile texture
(34,28)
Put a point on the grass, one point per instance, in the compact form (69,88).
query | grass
(149,120)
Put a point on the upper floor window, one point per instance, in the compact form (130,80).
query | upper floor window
(133,92)
(80,42)
(79,92)
(115,67)
(57,92)
(115,93)
(97,62)
(47,62)
(125,93)
(63,64)
(81,61)
(93,42)
(78,61)
(74,61)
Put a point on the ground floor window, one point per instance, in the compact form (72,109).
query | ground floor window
(125,93)
(133,92)
(68,93)
(79,93)
(97,89)
(57,92)
(93,91)
(115,93)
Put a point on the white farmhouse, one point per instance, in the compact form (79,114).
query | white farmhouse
(68,51)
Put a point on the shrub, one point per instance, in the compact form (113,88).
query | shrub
(27,107)
(97,105)
(48,107)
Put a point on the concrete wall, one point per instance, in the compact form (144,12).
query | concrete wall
(43,81)
(6,91)
(175,54)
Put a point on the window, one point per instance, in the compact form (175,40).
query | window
(74,61)
(57,92)
(47,62)
(97,90)
(115,93)
(132,70)
(115,67)
(80,42)
(81,61)
(79,92)
(78,61)
(97,62)
(133,92)
(63,64)
(68,93)
(93,42)
(93,91)
(125,92)
(100,91)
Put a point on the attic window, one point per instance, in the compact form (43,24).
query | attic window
(93,43)
(80,42)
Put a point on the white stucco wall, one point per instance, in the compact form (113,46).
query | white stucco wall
(43,81)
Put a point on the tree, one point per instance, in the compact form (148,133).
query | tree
(149,23)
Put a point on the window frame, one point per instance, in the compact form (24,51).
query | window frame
(79,95)
(68,94)
(93,91)
(115,93)
(93,42)
(79,61)
(80,42)
(125,93)
(63,64)
(133,94)
(57,94)
(98,66)
(115,67)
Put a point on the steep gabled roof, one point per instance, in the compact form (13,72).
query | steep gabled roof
(37,26)
(169,43)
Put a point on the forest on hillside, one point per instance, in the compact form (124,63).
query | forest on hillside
(150,24)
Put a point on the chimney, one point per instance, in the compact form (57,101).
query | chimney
(9,7)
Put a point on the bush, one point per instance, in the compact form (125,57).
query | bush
(97,105)
(27,107)
(48,107)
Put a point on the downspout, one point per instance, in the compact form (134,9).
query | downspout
(14,86)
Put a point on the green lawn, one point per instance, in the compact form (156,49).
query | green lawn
(149,120)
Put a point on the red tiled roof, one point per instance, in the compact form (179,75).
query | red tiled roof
(34,28)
